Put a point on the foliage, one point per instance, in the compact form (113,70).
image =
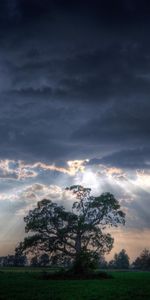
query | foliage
(13,260)
(143,261)
(120,261)
(34,261)
(66,234)
(44,260)
(20,260)
(85,262)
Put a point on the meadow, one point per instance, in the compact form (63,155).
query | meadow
(23,284)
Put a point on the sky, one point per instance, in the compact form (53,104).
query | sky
(75,109)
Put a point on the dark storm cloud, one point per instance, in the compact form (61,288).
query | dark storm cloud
(121,123)
(119,10)
(72,85)
(114,70)
(33,131)
(138,158)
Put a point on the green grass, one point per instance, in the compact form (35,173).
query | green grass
(23,284)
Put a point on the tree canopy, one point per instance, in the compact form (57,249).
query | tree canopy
(65,234)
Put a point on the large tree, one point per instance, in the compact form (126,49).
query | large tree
(73,233)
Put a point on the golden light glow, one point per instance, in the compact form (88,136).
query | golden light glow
(12,169)
(143,179)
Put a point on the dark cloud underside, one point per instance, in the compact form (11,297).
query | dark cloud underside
(74,80)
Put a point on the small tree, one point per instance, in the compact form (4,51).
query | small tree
(121,260)
(143,261)
(9,261)
(16,260)
(20,260)
(73,233)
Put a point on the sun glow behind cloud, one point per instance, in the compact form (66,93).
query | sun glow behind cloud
(99,178)
(78,169)
(11,169)
(143,180)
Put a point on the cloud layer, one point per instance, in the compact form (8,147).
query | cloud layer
(74,98)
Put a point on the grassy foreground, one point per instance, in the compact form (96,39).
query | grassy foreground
(22,284)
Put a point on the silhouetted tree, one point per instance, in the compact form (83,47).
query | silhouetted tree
(73,233)
(120,261)
(111,264)
(143,261)
(16,260)
(20,260)
(9,261)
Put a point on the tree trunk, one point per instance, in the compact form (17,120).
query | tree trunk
(78,244)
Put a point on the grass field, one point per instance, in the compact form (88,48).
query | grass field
(23,284)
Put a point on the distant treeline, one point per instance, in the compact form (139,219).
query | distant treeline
(121,261)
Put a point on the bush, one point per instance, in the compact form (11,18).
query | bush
(68,275)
